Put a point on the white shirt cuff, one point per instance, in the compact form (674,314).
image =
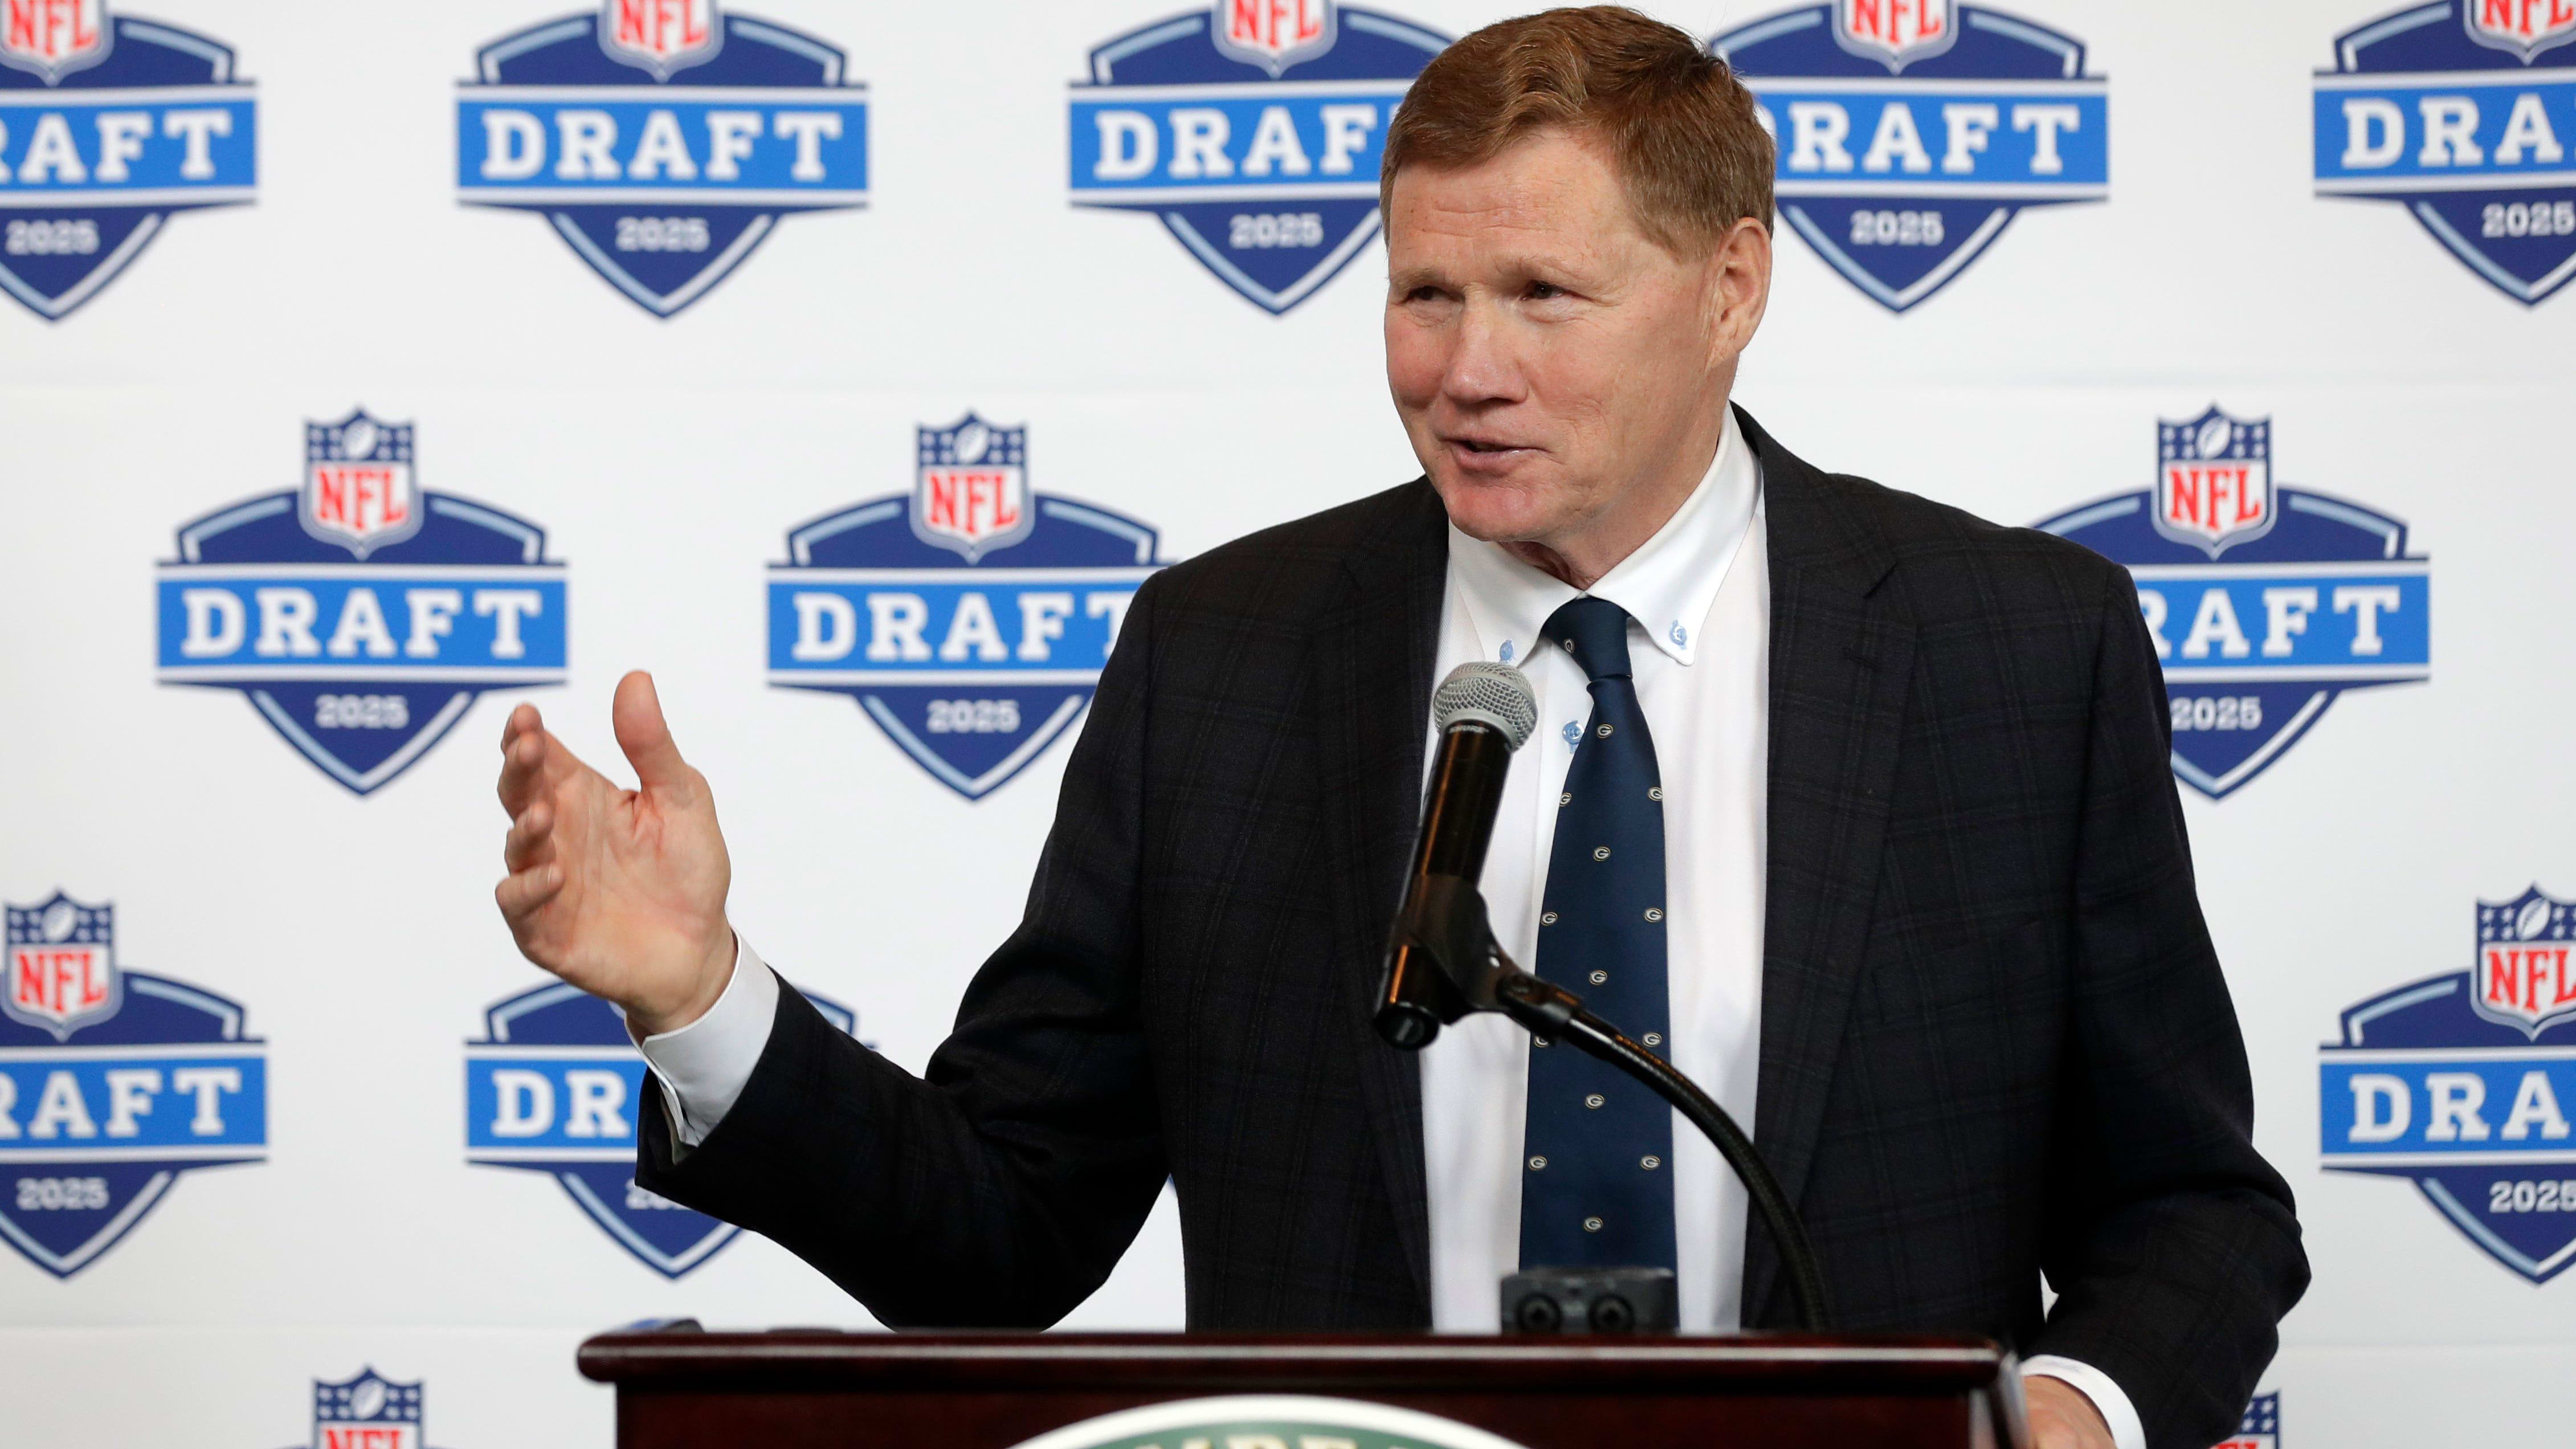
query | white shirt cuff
(704,1066)
(2092,1383)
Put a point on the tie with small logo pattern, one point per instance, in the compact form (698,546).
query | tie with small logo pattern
(1596,1178)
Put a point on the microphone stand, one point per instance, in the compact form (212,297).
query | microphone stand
(1448,924)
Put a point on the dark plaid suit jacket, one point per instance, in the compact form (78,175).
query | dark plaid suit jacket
(1995,1039)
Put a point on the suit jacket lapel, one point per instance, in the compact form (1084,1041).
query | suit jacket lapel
(1841,654)
(1374,651)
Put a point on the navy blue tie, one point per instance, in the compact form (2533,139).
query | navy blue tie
(1596,1176)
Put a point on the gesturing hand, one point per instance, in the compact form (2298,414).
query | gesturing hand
(620,892)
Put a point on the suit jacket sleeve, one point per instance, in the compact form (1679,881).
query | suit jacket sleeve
(2171,1242)
(1001,1188)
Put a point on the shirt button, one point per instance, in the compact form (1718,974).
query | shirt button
(1600,852)
(1595,1100)
(1592,1225)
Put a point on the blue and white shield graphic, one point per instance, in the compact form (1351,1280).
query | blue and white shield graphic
(1252,131)
(971,618)
(2462,1085)
(367,1412)
(1910,133)
(662,139)
(108,126)
(358,613)
(2456,111)
(555,1086)
(2266,603)
(112,1083)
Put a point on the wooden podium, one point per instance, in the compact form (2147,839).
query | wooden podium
(681,1388)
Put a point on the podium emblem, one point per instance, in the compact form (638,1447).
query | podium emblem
(1266,1419)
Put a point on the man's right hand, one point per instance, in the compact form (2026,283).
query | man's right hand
(620,892)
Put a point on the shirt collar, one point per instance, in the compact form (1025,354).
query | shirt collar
(1667,585)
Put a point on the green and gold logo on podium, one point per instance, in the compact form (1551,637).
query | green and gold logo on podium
(1269,1421)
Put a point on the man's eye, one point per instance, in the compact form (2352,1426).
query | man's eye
(1543,291)
(1423,294)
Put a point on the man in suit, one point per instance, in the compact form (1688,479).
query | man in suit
(1854,804)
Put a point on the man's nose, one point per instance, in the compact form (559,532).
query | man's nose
(1484,362)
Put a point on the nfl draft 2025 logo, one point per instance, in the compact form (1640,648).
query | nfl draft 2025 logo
(107,126)
(970,618)
(112,1083)
(361,613)
(2454,110)
(554,1087)
(1252,129)
(2265,602)
(1909,133)
(662,139)
(366,1412)
(2462,1084)
(2262,1426)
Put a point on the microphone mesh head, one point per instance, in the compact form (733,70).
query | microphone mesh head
(1489,693)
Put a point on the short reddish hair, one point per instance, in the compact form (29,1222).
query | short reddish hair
(1692,154)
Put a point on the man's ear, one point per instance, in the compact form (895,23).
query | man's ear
(1739,289)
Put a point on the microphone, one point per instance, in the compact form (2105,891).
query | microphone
(1442,961)
(1484,712)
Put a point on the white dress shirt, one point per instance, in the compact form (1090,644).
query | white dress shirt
(1699,599)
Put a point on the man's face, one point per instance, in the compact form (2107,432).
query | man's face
(1551,363)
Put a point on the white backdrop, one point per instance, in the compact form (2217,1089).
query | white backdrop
(666,458)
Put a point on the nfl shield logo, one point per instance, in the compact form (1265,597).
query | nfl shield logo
(971,490)
(62,965)
(2524,978)
(661,36)
(52,38)
(358,485)
(2214,480)
(2522,27)
(1273,34)
(367,1412)
(2261,1428)
(1898,32)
